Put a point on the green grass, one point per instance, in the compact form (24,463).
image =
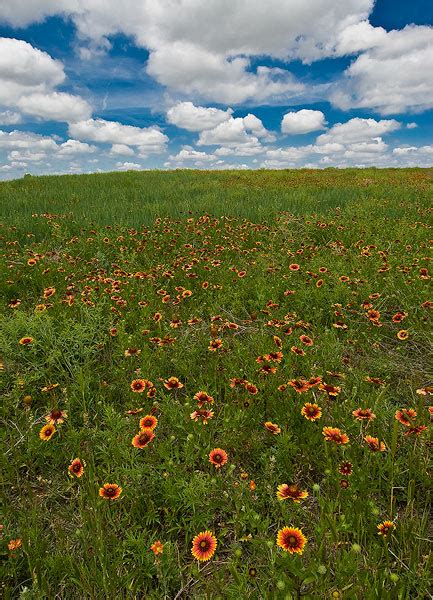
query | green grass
(115,245)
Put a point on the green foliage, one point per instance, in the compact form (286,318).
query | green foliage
(111,251)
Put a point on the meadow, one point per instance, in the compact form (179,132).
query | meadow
(216,385)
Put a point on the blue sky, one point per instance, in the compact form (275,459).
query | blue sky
(90,86)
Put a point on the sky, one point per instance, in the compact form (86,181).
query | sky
(103,85)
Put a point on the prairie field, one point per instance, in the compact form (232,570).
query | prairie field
(216,385)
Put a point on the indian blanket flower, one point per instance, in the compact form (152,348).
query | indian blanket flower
(215,344)
(403,334)
(203,414)
(333,434)
(405,416)
(272,427)
(374,444)
(218,457)
(142,439)
(291,540)
(56,416)
(157,547)
(203,398)
(14,544)
(292,491)
(76,468)
(310,411)
(26,341)
(110,491)
(345,468)
(47,432)
(385,528)
(204,545)
(173,383)
(148,422)
(363,414)
(138,385)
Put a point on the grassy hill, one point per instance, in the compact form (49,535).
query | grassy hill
(239,353)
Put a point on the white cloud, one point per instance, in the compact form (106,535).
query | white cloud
(214,66)
(26,141)
(303,121)
(357,130)
(196,118)
(8,117)
(412,125)
(56,106)
(148,139)
(187,153)
(391,76)
(74,147)
(128,166)
(122,150)
(236,132)
(28,77)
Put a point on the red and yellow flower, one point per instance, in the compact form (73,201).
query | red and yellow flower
(291,540)
(292,491)
(110,491)
(204,545)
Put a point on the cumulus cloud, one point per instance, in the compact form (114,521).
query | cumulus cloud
(74,147)
(148,139)
(236,132)
(303,121)
(28,77)
(121,149)
(215,66)
(8,117)
(357,130)
(391,75)
(196,118)
(128,166)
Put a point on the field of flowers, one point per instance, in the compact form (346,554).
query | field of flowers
(216,385)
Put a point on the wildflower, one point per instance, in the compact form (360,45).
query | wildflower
(331,390)
(204,414)
(291,539)
(299,385)
(202,398)
(385,528)
(374,444)
(363,414)
(252,572)
(285,491)
(47,432)
(56,416)
(406,416)
(310,411)
(14,303)
(110,491)
(307,341)
(132,352)
(333,434)
(218,457)
(50,291)
(138,385)
(294,267)
(215,344)
(272,427)
(297,351)
(14,544)
(76,468)
(344,484)
(204,545)
(173,383)
(25,341)
(415,430)
(403,334)
(157,547)
(142,439)
(252,485)
(148,422)
(345,468)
